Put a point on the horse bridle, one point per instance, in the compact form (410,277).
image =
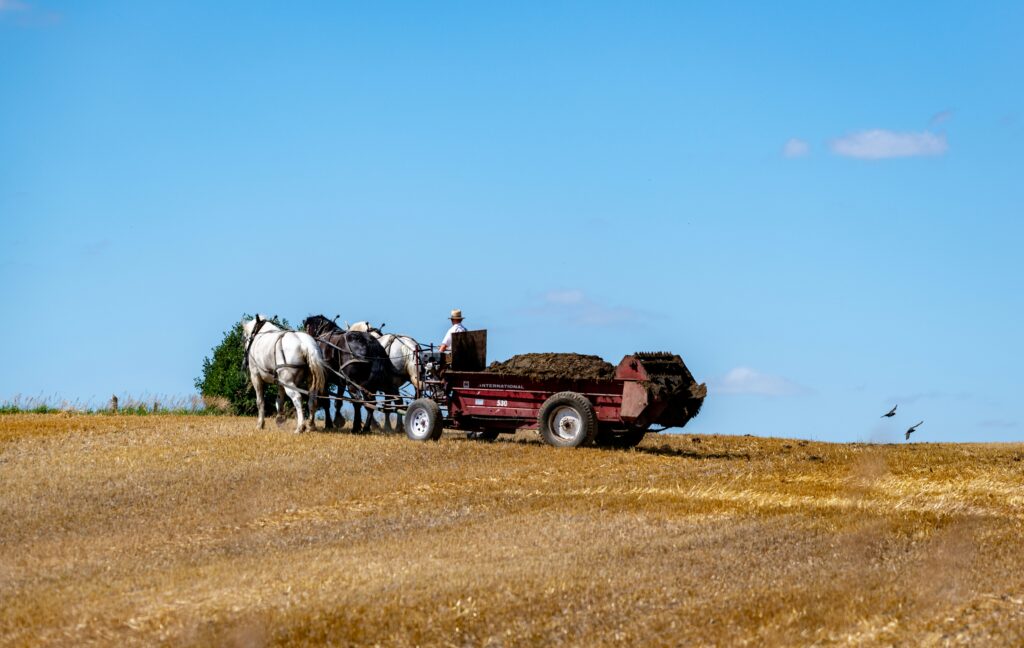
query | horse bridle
(252,338)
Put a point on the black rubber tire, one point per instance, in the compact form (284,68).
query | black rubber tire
(586,421)
(423,420)
(629,438)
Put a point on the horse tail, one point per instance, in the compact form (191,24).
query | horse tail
(315,362)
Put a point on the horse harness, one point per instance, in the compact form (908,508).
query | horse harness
(401,340)
(324,337)
(353,359)
(252,338)
(278,350)
(320,337)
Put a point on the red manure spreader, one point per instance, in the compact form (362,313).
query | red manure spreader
(568,409)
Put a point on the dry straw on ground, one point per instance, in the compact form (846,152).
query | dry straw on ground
(201,530)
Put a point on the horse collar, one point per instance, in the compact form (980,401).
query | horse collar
(248,344)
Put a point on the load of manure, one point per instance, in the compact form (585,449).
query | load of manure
(542,366)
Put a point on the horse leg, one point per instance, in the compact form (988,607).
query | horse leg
(396,402)
(387,408)
(296,398)
(376,420)
(357,413)
(257,384)
(314,405)
(371,413)
(399,403)
(280,406)
(325,402)
(372,419)
(338,417)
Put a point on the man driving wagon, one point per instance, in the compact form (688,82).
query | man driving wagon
(457,327)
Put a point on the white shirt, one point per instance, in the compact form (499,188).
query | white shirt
(456,328)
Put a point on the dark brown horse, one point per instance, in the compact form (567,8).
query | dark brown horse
(362,361)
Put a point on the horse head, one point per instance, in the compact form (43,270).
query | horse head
(249,327)
(317,325)
(249,330)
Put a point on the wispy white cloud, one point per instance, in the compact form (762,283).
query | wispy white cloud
(879,144)
(574,307)
(26,14)
(744,380)
(940,117)
(795,148)
(565,297)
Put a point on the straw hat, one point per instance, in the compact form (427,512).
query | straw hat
(456,314)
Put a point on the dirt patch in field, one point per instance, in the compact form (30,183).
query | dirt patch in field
(555,365)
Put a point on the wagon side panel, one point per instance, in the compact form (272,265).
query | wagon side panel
(490,400)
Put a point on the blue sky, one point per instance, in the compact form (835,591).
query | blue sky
(818,207)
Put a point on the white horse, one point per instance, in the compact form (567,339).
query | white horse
(402,350)
(289,359)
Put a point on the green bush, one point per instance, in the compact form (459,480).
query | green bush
(223,376)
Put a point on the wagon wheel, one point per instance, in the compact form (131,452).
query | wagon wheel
(423,420)
(627,438)
(567,420)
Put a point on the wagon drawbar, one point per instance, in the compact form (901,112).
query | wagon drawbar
(648,392)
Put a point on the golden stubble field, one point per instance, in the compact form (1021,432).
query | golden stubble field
(201,530)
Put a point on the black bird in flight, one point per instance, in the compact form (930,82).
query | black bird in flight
(891,412)
(912,429)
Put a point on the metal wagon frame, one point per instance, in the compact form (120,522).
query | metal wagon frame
(647,389)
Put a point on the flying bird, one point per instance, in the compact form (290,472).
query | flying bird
(891,412)
(912,429)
